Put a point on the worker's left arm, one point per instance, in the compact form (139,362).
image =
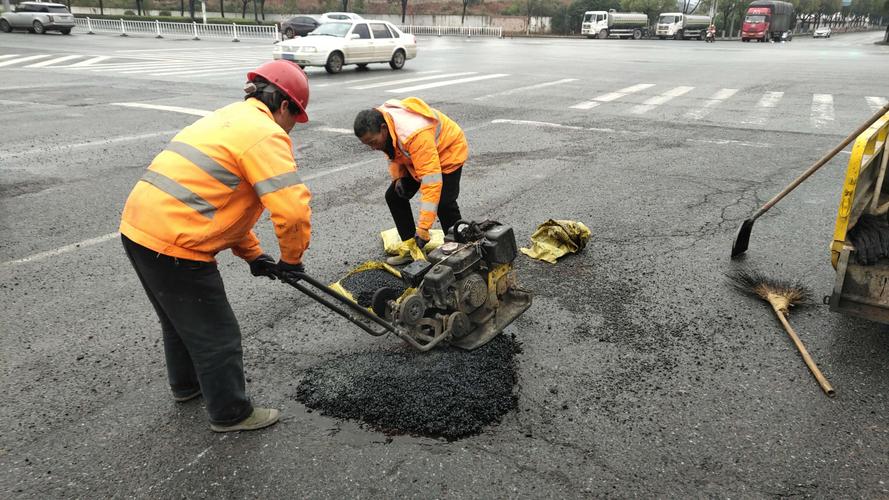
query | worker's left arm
(270,168)
(424,155)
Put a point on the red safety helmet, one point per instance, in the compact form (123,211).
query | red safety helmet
(288,77)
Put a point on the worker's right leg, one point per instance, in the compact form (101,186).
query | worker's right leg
(192,296)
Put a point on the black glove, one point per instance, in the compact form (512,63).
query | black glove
(290,271)
(399,190)
(263,265)
(421,243)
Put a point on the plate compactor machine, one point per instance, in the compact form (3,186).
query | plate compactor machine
(464,295)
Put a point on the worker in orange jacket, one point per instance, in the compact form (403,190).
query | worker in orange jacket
(203,194)
(426,151)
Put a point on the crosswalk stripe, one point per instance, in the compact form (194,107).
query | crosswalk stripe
(760,113)
(411,80)
(363,80)
(612,96)
(89,62)
(714,100)
(206,71)
(143,68)
(658,100)
(822,110)
(43,64)
(450,82)
(876,102)
(7,56)
(10,62)
(529,87)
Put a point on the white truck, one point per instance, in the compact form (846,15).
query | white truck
(602,24)
(680,26)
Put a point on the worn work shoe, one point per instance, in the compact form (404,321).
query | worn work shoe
(399,260)
(261,417)
(186,397)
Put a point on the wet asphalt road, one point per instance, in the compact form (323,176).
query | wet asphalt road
(642,373)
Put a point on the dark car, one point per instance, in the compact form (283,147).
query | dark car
(299,26)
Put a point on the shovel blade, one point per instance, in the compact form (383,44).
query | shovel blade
(742,239)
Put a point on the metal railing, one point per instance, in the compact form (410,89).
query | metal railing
(196,31)
(494,31)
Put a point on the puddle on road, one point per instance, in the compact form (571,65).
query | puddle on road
(447,393)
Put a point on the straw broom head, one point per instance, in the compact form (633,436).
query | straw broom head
(780,294)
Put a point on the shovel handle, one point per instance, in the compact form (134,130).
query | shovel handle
(822,381)
(820,163)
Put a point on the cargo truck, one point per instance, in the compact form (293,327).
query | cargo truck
(768,20)
(602,24)
(680,26)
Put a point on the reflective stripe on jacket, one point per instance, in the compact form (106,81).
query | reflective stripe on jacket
(427,144)
(206,190)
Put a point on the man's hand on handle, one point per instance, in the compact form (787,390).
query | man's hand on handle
(263,265)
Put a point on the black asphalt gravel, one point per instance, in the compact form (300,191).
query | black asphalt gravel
(364,284)
(448,392)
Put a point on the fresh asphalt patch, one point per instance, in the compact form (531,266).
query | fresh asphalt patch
(445,393)
(362,285)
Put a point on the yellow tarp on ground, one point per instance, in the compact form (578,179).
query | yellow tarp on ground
(555,238)
(338,287)
(393,245)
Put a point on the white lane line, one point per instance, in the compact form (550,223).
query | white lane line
(529,87)
(242,71)
(130,65)
(89,62)
(714,100)
(723,142)
(141,68)
(158,107)
(180,49)
(62,250)
(660,100)
(43,64)
(822,110)
(552,125)
(876,103)
(10,62)
(444,84)
(612,96)
(411,80)
(761,113)
(103,142)
(362,80)
(199,72)
(7,56)
(333,130)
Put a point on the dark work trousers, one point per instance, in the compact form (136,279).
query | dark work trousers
(448,211)
(202,339)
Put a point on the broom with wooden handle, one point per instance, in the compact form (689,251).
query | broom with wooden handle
(781,296)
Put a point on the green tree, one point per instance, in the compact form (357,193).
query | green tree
(651,8)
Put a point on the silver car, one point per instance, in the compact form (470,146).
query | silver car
(38,17)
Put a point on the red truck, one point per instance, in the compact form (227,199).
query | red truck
(769,20)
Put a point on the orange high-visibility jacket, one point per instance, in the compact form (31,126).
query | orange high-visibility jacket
(428,143)
(206,190)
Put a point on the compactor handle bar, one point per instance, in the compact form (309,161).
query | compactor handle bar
(386,327)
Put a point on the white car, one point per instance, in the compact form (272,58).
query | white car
(822,32)
(337,43)
(38,17)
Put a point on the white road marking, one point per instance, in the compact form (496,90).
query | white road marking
(144,67)
(10,62)
(822,110)
(659,100)
(199,72)
(444,84)
(158,107)
(551,125)
(7,56)
(612,96)
(62,250)
(529,87)
(761,113)
(362,80)
(43,64)
(714,100)
(112,140)
(411,80)
(723,142)
(333,130)
(876,102)
(88,62)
